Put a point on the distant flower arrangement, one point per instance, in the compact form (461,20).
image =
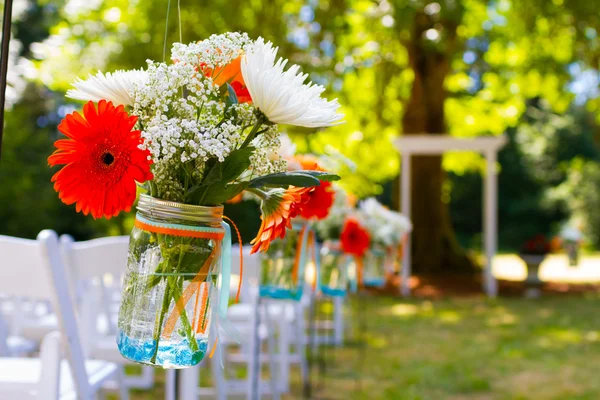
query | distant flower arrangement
(355,238)
(198,130)
(538,245)
(387,227)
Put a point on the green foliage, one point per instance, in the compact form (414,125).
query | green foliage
(359,49)
(215,187)
(505,56)
(579,195)
(535,195)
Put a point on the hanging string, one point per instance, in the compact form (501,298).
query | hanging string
(179,18)
(166,31)
(214,347)
(6,25)
(239,289)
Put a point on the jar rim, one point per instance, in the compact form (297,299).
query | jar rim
(159,208)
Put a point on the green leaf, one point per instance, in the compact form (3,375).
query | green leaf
(322,175)
(221,173)
(217,194)
(293,178)
(214,172)
(236,163)
(285,179)
(232,98)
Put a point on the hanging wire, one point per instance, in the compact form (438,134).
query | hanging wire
(179,20)
(6,25)
(166,31)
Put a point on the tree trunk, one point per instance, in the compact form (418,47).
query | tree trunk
(435,248)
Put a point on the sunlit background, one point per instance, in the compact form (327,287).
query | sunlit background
(527,69)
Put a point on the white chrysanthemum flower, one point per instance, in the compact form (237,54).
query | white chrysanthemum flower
(282,95)
(116,87)
(387,227)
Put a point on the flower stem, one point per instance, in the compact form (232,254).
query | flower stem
(185,322)
(161,317)
(173,290)
(260,120)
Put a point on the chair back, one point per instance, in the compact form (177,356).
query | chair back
(97,264)
(96,258)
(250,275)
(24,269)
(34,269)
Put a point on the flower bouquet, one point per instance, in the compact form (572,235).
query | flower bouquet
(571,239)
(533,253)
(193,133)
(379,233)
(355,240)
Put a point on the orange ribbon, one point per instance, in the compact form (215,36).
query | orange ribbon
(298,253)
(237,231)
(192,288)
(180,232)
(359,270)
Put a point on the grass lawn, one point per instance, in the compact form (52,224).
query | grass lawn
(466,348)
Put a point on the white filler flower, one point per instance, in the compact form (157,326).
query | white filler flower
(282,95)
(116,87)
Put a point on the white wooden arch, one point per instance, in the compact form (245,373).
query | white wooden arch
(440,144)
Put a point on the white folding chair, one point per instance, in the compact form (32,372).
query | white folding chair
(286,318)
(241,317)
(329,332)
(33,269)
(13,345)
(97,266)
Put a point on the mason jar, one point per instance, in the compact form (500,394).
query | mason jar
(333,279)
(282,266)
(170,284)
(374,267)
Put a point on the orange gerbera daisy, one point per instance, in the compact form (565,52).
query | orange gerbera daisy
(102,160)
(231,73)
(308,162)
(278,208)
(317,201)
(354,239)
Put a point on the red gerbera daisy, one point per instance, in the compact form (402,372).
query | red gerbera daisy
(354,238)
(242,92)
(102,160)
(318,201)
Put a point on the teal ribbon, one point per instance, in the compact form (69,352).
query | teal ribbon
(225,285)
(303,254)
(317,263)
(225,271)
(354,280)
